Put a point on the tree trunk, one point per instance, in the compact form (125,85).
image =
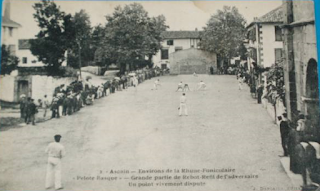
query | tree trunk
(150,61)
(122,68)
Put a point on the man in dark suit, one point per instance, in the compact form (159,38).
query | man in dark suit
(32,111)
(284,131)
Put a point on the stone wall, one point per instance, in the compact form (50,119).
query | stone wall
(45,85)
(303,10)
(7,88)
(92,69)
(192,60)
(305,48)
(38,86)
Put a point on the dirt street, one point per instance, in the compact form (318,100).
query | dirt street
(140,129)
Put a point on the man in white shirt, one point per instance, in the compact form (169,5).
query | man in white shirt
(180,87)
(55,152)
(240,81)
(202,86)
(45,105)
(183,105)
(156,84)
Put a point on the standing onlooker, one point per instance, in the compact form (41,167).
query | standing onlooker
(260,92)
(45,105)
(183,105)
(27,109)
(135,81)
(23,106)
(56,152)
(284,132)
(32,111)
(240,81)
(55,107)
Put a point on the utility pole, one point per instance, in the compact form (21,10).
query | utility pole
(80,58)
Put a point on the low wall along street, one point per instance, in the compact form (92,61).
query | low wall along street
(7,88)
(32,86)
(45,85)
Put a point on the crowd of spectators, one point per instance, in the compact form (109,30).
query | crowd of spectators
(68,99)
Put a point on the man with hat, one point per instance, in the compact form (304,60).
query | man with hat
(32,110)
(56,152)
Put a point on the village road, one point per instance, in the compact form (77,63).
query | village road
(140,129)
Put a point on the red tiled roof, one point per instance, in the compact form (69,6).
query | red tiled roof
(9,23)
(181,34)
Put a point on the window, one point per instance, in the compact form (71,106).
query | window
(278,55)
(164,54)
(24,60)
(178,48)
(278,33)
(169,42)
(10,31)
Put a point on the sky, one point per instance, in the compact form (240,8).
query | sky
(180,15)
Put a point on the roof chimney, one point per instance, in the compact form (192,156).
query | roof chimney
(196,29)
(7,9)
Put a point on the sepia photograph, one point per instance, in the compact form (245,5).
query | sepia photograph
(218,95)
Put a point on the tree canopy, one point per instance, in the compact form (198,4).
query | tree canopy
(9,62)
(53,39)
(81,39)
(224,33)
(131,35)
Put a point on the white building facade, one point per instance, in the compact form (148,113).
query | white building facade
(175,41)
(10,29)
(265,39)
(27,59)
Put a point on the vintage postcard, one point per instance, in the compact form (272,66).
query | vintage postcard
(159,95)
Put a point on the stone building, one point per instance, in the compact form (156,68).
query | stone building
(174,41)
(300,62)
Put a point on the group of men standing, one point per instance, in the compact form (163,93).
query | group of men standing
(28,109)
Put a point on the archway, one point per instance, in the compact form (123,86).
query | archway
(312,95)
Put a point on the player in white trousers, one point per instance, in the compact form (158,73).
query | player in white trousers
(240,81)
(56,152)
(183,105)
(156,84)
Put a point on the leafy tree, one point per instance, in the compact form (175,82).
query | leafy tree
(242,52)
(9,62)
(53,40)
(82,29)
(131,35)
(157,26)
(224,33)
